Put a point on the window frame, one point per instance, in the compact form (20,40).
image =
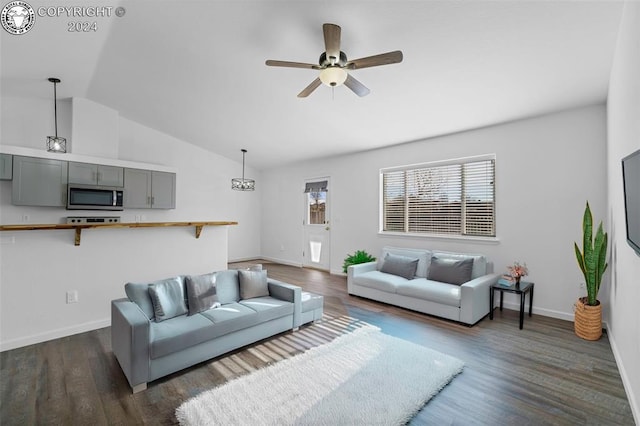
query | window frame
(433,164)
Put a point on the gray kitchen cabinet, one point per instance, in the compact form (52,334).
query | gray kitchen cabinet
(96,174)
(163,190)
(39,182)
(146,189)
(6,166)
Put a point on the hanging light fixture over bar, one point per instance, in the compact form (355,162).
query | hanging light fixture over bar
(242,184)
(55,143)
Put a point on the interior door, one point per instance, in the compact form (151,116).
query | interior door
(317,232)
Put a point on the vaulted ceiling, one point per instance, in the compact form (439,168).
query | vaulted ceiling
(196,69)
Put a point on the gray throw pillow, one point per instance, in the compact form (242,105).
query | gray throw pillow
(450,271)
(401,266)
(201,293)
(168,299)
(253,284)
(138,293)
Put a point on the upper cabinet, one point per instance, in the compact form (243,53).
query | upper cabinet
(147,189)
(39,182)
(96,174)
(6,166)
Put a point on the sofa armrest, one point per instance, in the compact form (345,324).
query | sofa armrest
(290,293)
(355,270)
(474,298)
(130,340)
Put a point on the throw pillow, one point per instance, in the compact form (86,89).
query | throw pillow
(401,266)
(253,284)
(450,271)
(138,293)
(167,297)
(201,293)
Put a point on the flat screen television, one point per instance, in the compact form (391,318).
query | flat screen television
(631,180)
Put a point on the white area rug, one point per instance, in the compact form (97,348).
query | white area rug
(364,377)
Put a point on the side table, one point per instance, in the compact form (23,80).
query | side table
(521,288)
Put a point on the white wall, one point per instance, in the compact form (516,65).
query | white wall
(37,268)
(546,168)
(623,106)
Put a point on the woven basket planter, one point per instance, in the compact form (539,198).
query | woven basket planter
(588,320)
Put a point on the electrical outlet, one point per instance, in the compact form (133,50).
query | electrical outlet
(72,296)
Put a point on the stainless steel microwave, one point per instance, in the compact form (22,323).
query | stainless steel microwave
(89,197)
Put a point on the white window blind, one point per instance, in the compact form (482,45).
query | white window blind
(456,197)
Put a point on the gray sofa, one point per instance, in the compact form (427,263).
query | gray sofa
(168,325)
(448,285)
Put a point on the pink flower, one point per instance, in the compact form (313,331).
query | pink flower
(517,270)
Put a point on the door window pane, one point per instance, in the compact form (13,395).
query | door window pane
(316,208)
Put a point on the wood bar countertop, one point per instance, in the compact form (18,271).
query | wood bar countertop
(80,226)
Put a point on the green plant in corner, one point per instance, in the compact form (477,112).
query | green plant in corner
(592,259)
(360,256)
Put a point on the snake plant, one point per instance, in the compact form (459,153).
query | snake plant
(592,259)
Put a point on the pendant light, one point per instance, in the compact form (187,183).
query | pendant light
(55,143)
(242,184)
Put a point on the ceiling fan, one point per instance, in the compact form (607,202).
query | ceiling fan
(334,65)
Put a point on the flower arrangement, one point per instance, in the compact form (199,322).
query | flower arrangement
(518,270)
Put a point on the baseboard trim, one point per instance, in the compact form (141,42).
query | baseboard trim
(539,311)
(53,334)
(633,400)
(282,261)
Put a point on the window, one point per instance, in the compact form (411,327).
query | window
(454,197)
(316,193)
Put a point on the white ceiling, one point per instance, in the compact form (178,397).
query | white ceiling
(195,69)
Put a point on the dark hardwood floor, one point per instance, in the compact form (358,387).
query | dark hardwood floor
(541,375)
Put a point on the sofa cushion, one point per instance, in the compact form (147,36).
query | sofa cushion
(231,317)
(179,333)
(479,261)
(420,288)
(253,284)
(227,286)
(423,256)
(311,301)
(379,281)
(201,292)
(268,308)
(451,271)
(138,293)
(168,298)
(401,266)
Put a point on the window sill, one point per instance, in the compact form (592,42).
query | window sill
(484,240)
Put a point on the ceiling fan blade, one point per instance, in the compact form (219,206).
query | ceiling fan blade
(288,64)
(310,88)
(357,87)
(332,40)
(376,60)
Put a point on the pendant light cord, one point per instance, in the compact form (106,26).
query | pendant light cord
(55,107)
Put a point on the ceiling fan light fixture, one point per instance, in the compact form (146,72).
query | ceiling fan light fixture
(333,76)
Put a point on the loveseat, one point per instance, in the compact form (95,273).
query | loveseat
(448,285)
(168,325)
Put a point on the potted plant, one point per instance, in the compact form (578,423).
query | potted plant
(593,263)
(360,256)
